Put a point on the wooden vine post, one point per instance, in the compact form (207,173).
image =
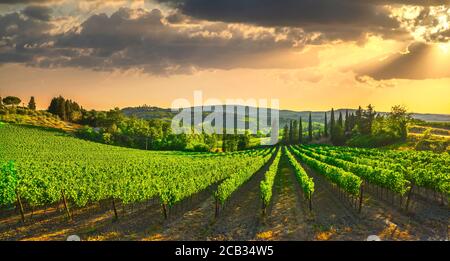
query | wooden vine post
(310,201)
(217,208)
(408,199)
(66,205)
(115,210)
(20,206)
(164,207)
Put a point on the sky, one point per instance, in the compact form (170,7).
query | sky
(310,55)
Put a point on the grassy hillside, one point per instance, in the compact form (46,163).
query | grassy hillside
(36,118)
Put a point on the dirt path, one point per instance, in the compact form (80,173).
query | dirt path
(333,218)
(193,225)
(240,218)
(95,222)
(288,217)
(423,220)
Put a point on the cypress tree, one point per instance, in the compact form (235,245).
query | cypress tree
(286,134)
(310,127)
(347,122)
(326,126)
(359,119)
(32,103)
(289,132)
(62,109)
(68,106)
(351,124)
(332,124)
(295,132)
(224,142)
(339,122)
(53,108)
(300,131)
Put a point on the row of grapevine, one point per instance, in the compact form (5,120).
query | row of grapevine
(239,177)
(386,178)
(306,182)
(348,181)
(266,185)
(42,168)
(432,175)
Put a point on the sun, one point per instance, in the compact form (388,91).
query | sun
(445,48)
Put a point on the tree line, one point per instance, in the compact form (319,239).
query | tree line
(115,128)
(15,101)
(364,127)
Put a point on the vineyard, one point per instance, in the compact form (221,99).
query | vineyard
(315,189)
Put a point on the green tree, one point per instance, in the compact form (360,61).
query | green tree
(294,132)
(310,128)
(12,100)
(332,124)
(368,117)
(62,110)
(224,142)
(347,122)
(398,120)
(325,128)
(291,132)
(338,132)
(300,131)
(340,121)
(351,122)
(244,141)
(53,107)
(286,134)
(32,103)
(359,120)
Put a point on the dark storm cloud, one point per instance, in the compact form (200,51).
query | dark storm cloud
(333,19)
(147,43)
(411,2)
(421,61)
(130,39)
(38,12)
(22,38)
(405,2)
(286,12)
(27,1)
(157,44)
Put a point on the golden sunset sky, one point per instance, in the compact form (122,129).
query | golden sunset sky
(311,55)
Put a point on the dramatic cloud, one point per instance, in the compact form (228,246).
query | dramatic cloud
(411,2)
(22,38)
(139,39)
(204,34)
(348,17)
(27,1)
(421,61)
(38,12)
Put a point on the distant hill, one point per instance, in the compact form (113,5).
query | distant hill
(147,112)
